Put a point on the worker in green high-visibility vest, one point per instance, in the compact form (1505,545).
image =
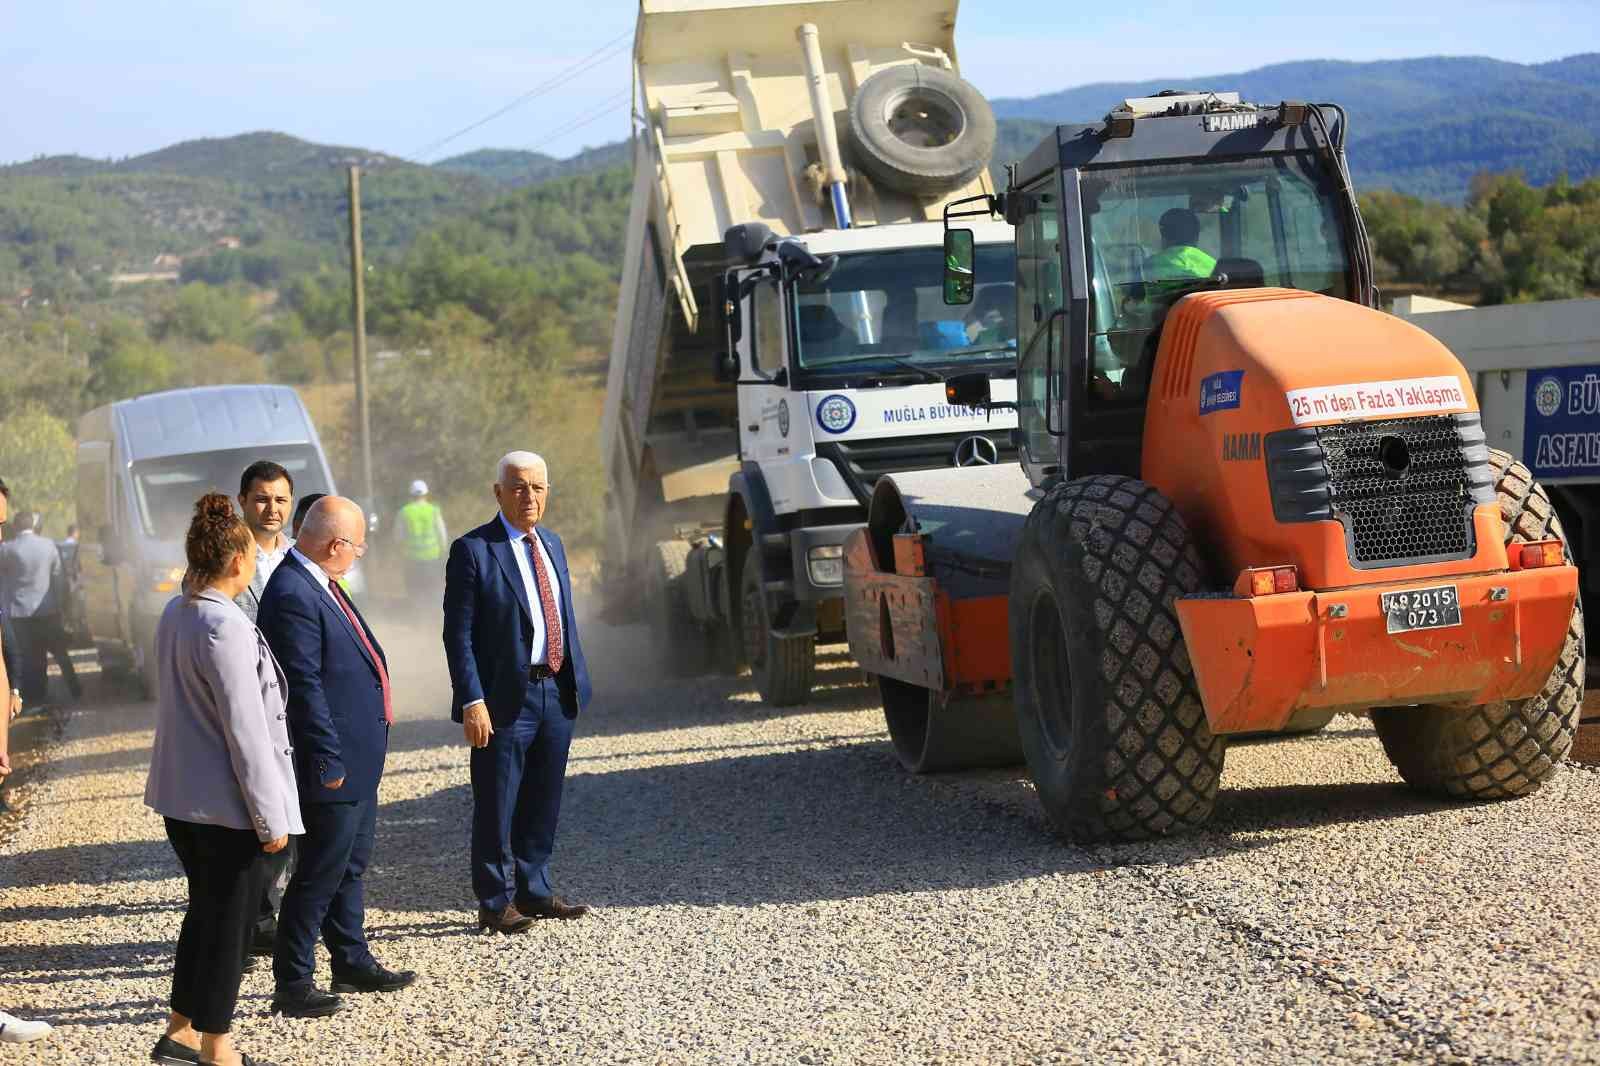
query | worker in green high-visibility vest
(1181,259)
(421,530)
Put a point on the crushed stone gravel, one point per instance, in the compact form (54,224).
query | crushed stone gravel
(770,888)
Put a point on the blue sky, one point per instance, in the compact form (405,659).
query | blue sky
(112,78)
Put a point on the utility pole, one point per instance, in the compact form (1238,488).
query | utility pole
(359,313)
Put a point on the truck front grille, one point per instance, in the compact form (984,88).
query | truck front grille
(863,462)
(1404,488)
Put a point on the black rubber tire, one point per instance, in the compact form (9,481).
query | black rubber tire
(902,105)
(1509,748)
(1107,707)
(682,649)
(783,667)
(932,733)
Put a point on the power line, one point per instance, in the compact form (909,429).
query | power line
(610,106)
(612,48)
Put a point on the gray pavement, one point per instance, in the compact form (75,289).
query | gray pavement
(771,888)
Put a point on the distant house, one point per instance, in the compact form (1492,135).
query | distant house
(230,243)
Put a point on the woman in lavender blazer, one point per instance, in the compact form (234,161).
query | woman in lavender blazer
(221,774)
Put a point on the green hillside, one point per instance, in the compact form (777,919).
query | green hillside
(1419,126)
(516,168)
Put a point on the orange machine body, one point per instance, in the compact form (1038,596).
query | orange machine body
(1235,368)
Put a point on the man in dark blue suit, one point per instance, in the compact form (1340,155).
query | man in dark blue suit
(519,680)
(339,712)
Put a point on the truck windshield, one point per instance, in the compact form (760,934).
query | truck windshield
(165,489)
(1159,232)
(887,307)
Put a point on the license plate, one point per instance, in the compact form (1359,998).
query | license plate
(1438,607)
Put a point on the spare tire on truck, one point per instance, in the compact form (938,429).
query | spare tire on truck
(921,130)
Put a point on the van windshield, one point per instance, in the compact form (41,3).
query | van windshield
(166,489)
(878,307)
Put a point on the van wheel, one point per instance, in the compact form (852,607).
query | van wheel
(783,667)
(921,130)
(681,646)
(1511,747)
(1107,707)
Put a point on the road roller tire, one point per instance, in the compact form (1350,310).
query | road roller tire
(1108,712)
(682,647)
(932,733)
(783,667)
(920,130)
(1508,748)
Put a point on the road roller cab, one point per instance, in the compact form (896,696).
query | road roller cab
(1246,500)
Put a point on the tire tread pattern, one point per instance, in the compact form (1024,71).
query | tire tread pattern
(1120,556)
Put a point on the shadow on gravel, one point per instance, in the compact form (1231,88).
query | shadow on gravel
(94,864)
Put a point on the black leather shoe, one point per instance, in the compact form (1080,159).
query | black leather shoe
(169,1052)
(509,921)
(554,907)
(310,1003)
(376,979)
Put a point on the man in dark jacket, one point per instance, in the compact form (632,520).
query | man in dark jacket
(339,712)
(519,680)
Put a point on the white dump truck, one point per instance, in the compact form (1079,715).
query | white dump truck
(783,333)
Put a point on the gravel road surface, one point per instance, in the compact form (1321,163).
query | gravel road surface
(771,888)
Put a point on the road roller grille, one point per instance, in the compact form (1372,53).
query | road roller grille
(1403,488)
(902,624)
(1260,659)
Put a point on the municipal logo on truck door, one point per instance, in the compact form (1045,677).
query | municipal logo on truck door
(836,413)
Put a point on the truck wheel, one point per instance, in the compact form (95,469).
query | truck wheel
(1510,747)
(1107,707)
(681,647)
(921,130)
(932,732)
(782,666)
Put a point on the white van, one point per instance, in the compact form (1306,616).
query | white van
(142,464)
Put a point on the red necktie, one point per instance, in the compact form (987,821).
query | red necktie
(361,634)
(547,603)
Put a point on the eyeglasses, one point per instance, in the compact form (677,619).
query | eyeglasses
(359,549)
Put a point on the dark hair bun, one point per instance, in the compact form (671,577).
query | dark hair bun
(213,507)
(216,535)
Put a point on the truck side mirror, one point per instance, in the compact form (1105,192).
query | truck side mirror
(959,257)
(967,390)
(725,367)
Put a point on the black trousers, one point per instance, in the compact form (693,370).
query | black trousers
(40,636)
(227,871)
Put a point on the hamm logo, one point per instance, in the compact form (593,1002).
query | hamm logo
(1220,392)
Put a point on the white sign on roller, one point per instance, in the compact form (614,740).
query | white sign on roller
(1377,399)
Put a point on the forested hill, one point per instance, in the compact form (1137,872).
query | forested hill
(1419,126)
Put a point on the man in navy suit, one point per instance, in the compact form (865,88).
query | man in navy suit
(519,680)
(339,712)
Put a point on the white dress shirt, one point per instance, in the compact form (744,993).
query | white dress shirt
(519,550)
(317,572)
(268,561)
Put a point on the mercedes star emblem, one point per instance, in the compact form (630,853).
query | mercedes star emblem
(976,451)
